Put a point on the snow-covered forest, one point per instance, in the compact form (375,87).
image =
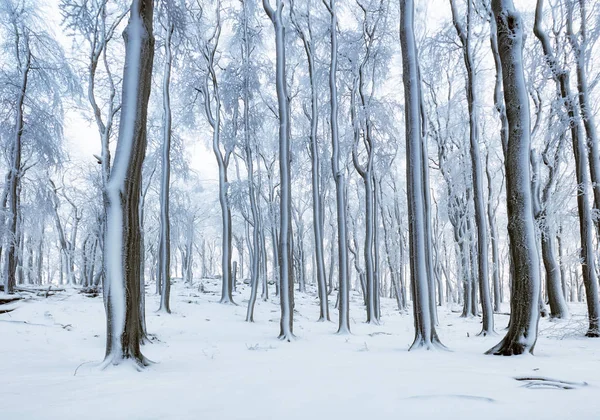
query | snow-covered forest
(267,209)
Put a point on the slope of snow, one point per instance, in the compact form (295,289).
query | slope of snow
(213,365)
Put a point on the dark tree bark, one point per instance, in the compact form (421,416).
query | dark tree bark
(122,259)
(522,333)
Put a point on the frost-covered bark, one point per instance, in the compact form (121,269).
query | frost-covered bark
(339,178)
(122,250)
(465,35)
(580,152)
(318,217)
(23,55)
(249,159)
(580,45)
(558,305)
(212,107)
(522,333)
(491,212)
(164,249)
(285,207)
(425,333)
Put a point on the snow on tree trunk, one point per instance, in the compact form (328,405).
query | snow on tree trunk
(122,250)
(425,333)
(339,178)
(522,333)
(14,176)
(164,250)
(579,43)
(580,152)
(285,207)
(491,212)
(465,35)
(317,205)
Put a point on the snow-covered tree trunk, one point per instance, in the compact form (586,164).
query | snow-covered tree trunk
(339,178)
(425,333)
(14,176)
(212,107)
(318,218)
(285,207)
(366,173)
(580,151)
(465,35)
(558,306)
(522,333)
(164,249)
(579,43)
(491,212)
(122,250)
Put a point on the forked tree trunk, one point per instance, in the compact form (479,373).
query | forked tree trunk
(425,333)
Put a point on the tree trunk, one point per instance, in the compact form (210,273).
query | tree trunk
(164,249)
(285,209)
(425,333)
(476,171)
(561,76)
(122,259)
(340,181)
(523,327)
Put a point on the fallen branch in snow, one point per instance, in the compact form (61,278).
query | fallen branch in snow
(35,289)
(7,310)
(9,298)
(459,396)
(540,382)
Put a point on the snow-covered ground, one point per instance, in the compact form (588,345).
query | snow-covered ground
(212,365)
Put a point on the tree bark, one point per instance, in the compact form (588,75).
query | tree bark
(122,259)
(425,333)
(523,328)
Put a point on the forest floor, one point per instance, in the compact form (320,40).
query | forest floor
(212,365)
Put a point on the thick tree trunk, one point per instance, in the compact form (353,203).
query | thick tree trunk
(523,328)
(122,259)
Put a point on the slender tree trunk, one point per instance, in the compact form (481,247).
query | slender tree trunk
(285,216)
(476,171)
(339,178)
(14,177)
(561,76)
(164,249)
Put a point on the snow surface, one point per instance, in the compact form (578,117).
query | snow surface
(213,365)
